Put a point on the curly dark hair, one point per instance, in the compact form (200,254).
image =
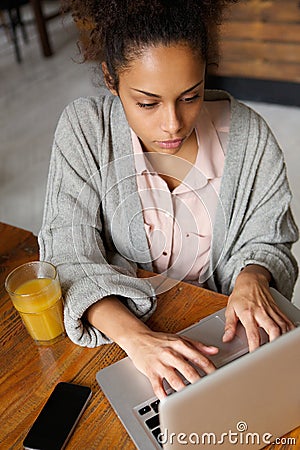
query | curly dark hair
(121,30)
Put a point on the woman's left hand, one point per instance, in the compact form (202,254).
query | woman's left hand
(251,302)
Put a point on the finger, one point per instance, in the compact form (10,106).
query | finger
(189,352)
(251,329)
(175,373)
(273,321)
(158,388)
(272,324)
(177,359)
(173,361)
(230,324)
(207,349)
(187,373)
(282,317)
(205,364)
(178,378)
(284,323)
(272,329)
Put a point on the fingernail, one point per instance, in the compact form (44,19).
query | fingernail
(211,347)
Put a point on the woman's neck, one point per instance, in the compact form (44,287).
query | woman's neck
(174,168)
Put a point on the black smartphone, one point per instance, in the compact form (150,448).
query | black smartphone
(58,418)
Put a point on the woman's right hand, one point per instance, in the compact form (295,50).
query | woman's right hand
(163,356)
(159,356)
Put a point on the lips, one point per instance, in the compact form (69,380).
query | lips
(170,144)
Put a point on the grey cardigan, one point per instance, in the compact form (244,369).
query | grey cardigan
(93,228)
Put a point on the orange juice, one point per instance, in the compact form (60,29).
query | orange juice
(39,303)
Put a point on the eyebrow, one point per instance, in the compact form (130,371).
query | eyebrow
(150,94)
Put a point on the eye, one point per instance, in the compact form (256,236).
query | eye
(191,99)
(146,105)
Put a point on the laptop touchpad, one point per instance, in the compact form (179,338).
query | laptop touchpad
(210,332)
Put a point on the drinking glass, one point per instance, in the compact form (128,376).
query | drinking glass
(35,292)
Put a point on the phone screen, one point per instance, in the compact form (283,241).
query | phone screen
(58,418)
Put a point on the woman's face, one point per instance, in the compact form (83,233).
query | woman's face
(162,95)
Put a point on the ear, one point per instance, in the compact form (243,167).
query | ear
(108,79)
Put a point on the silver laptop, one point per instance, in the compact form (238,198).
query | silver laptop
(252,398)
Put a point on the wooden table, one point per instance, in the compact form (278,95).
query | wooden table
(28,372)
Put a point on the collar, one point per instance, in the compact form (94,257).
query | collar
(210,158)
(142,164)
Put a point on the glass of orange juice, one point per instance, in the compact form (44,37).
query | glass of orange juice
(35,291)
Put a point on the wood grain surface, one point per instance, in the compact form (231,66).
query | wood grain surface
(28,373)
(261,39)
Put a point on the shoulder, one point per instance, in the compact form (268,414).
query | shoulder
(246,125)
(238,110)
(88,110)
(252,145)
(89,119)
(242,123)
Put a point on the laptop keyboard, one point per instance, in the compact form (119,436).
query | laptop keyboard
(149,413)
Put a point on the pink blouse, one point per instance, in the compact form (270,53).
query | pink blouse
(179,224)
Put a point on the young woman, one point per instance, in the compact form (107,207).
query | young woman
(163,175)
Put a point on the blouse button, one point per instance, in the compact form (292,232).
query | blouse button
(165,253)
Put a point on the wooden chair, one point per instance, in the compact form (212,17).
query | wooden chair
(12,8)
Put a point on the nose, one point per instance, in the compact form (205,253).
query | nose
(171,120)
